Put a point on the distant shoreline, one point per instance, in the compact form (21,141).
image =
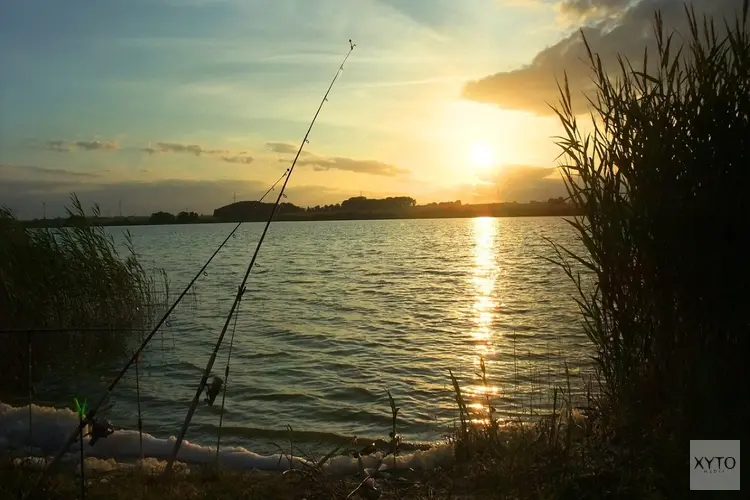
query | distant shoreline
(419,212)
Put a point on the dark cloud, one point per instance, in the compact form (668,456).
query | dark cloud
(33,172)
(245,160)
(351,165)
(322,164)
(216,152)
(96,145)
(224,155)
(285,148)
(281,147)
(173,147)
(22,186)
(59,146)
(613,27)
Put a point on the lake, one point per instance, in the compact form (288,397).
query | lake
(337,312)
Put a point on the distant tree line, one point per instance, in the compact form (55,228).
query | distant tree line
(392,203)
(445,204)
(357,207)
(552,201)
(169,218)
(324,208)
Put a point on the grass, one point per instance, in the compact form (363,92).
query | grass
(212,484)
(68,278)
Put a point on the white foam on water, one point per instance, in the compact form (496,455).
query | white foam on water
(51,428)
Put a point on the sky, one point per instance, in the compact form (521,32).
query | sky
(147,105)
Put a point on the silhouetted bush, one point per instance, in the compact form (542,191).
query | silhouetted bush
(663,182)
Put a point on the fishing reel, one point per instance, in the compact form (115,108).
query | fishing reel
(213,390)
(100,429)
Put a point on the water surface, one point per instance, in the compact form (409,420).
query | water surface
(336,312)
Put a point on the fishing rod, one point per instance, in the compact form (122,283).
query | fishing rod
(91,414)
(241,288)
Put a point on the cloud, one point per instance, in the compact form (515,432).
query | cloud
(22,185)
(194,149)
(33,172)
(95,145)
(592,9)
(509,183)
(245,160)
(318,163)
(285,148)
(523,3)
(512,183)
(351,165)
(60,146)
(282,148)
(173,147)
(523,183)
(613,27)
(322,164)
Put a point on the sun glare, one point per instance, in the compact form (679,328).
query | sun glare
(482,155)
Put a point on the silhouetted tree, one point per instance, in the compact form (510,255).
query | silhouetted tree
(161,218)
(186,217)
(391,204)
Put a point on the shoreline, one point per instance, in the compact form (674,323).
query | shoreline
(123,453)
(303,217)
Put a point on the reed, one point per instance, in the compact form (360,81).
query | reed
(662,183)
(72,278)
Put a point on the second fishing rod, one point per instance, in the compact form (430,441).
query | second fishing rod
(241,288)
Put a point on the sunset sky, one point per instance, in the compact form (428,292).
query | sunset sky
(179,104)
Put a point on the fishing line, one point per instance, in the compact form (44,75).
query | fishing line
(161,351)
(241,288)
(226,382)
(31,390)
(92,413)
(83,480)
(138,405)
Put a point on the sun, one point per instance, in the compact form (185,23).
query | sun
(482,155)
